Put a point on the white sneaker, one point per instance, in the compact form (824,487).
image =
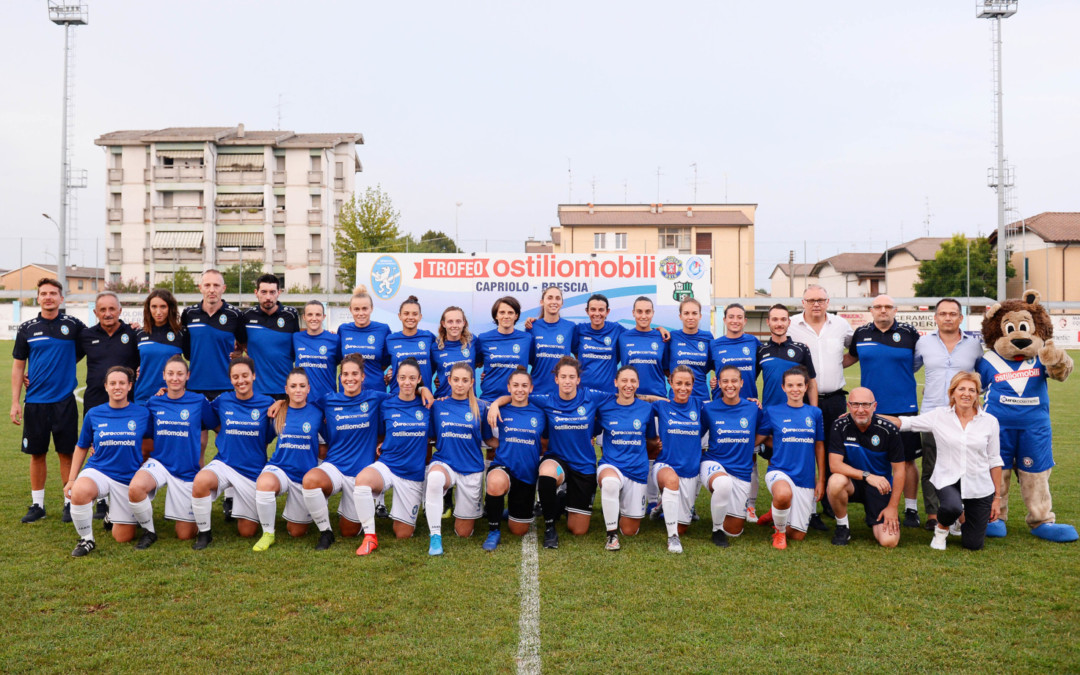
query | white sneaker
(751,514)
(954,529)
(673,544)
(940,537)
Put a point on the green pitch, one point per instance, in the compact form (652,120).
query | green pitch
(1013,607)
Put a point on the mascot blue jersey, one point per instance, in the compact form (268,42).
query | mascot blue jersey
(1016,391)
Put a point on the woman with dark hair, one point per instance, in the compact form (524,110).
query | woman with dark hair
(597,345)
(690,347)
(411,342)
(553,337)
(453,344)
(737,348)
(160,338)
(502,350)
(317,352)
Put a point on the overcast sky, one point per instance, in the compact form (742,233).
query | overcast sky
(839,119)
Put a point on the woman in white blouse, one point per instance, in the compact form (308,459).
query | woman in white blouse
(968,470)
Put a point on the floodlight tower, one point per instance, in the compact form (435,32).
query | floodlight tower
(996,10)
(68,16)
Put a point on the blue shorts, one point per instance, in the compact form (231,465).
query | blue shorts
(1029,449)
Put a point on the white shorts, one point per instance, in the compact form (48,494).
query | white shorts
(295,506)
(632,494)
(740,489)
(119,506)
(802,500)
(408,494)
(469,498)
(243,489)
(339,482)
(688,489)
(178,494)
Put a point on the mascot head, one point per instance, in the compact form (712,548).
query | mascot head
(1017,329)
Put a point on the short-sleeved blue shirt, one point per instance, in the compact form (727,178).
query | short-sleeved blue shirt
(319,357)
(51,349)
(680,428)
(794,433)
(352,425)
(244,433)
(178,423)
(116,434)
(369,342)
(519,448)
(646,352)
(732,432)
(551,342)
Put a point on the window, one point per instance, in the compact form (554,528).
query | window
(675,238)
(80,284)
(316,201)
(114,277)
(316,280)
(279,163)
(279,202)
(316,242)
(620,241)
(316,163)
(599,241)
(279,242)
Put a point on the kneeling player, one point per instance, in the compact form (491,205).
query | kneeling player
(675,472)
(867,459)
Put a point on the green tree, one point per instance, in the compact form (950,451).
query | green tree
(369,223)
(435,242)
(248,273)
(127,286)
(947,273)
(181,282)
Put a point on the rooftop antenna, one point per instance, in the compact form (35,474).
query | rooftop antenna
(694,167)
(570,180)
(926,221)
(658,174)
(593,183)
(279,106)
(68,16)
(625,191)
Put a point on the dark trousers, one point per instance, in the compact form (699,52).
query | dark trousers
(929,459)
(976,514)
(833,405)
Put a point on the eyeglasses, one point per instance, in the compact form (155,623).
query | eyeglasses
(883,307)
(859,404)
(815,301)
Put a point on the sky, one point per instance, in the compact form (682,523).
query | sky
(850,124)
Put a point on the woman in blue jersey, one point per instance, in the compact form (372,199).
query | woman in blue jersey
(736,348)
(553,338)
(116,431)
(410,342)
(317,352)
(179,418)
(406,430)
(366,337)
(798,453)
(352,426)
(161,337)
(453,344)
(243,433)
(690,347)
(735,427)
(458,461)
(513,471)
(624,462)
(299,428)
(597,345)
(500,351)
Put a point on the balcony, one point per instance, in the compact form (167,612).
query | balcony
(180,174)
(315,177)
(116,175)
(314,216)
(279,178)
(314,256)
(231,255)
(115,215)
(241,215)
(241,177)
(114,256)
(279,255)
(176,256)
(279,216)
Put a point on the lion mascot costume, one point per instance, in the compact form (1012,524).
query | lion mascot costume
(1020,357)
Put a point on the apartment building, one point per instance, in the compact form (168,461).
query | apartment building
(1045,250)
(201,197)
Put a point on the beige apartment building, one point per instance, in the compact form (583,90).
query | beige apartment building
(201,197)
(723,231)
(1046,254)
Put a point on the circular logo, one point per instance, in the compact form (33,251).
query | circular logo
(607,340)
(896,337)
(791,352)
(322,350)
(124,338)
(364,407)
(1028,462)
(746,351)
(670,268)
(281,322)
(371,339)
(468,417)
(875,440)
(170,336)
(533,422)
(222,319)
(693,416)
(419,416)
(65,330)
(653,346)
(306,427)
(184,414)
(560,339)
(581,410)
(415,509)
(517,349)
(131,425)
(420,345)
(255,415)
(465,352)
(385,277)
(809,422)
(700,346)
(743,422)
(637,424)
(24,442)
(695,268)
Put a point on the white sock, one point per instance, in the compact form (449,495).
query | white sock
(433,501)
(38,497)
(316,506)
(200,508)
(609,501)
(82,516)
(266,507)
(841,521)
(718,503)
(670,500)
(779,518)
(365,508)
(751,495)
(67,500)
(652,492)
(912,504)
(144,513)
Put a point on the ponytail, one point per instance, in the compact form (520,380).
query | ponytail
(283,411)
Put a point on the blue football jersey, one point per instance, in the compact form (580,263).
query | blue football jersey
(116,435)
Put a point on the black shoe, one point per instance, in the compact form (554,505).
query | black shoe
(83,547)
(817,523)
(202,540)
(66,518)
(842,536)
(911,518)
(107,523)
(381,512)
(146,540)
(33,514)
(226,508)
(551,537)
(931,523)
(720,539)
(101,510)
(537,510)
(326,538)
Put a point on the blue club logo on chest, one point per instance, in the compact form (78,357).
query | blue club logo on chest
(223,319)
(896,337)
(744,423)
(637,424)
(419,416)
(693,416)
(468,417)
(131,425)
(533,422)
(306,426)
(810,422)
(64,330)
(875,440)
(746,351)
(517,349)
(281,322)
(465,352)
(364,407)
(170,336)
(581,410)
(607,340)
(322,350)
(255,415)
(559,339)
(791,353)
(184,414)
(125,339)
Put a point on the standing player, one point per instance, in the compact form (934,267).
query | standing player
(643,347)
(502,350)
(365,337)
(798,449)
(690,347)
(736,348)
(885,349)
(116,431)
(597,343)
(735,427)
(867,460)
(453,344)
(110,342)
(214,334)
(46,350)
(160,338)
(178,419)
(269,327)
(410,343)
(553,338)
(316,352)
(513,471)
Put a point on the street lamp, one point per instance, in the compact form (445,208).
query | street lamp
(61,267)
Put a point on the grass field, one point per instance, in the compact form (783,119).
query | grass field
(1010,608)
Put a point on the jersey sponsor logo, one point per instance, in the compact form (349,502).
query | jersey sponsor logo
(517,349)
(896,337)
(746,351)
(281,322)
(743,422)
(791,353)
(124,338)
(184,414)
(809,422)
(222,319)
(255,415)
(607,341)
(322,349)
(371,339)
(419,416)
(875,440)
(65,330)
(1019,400)
(468,417)
(581,410)
(559,338)
(670,268)
(385,277)
(637,424)
(695,268)
(170,336)
(306,427)
(1017,374)
(131,425)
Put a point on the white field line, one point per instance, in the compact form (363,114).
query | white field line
(528,655)
(78,394)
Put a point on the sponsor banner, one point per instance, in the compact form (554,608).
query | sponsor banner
(1066,330)
(475,281)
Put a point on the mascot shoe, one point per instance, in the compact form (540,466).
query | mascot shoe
(996,528)
(1054,532)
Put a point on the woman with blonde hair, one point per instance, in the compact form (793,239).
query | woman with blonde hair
(453,344)
(366,337)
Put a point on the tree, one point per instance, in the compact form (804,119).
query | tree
(435,242)
(369,223)
(947,274)
(128,286)
(181,282)
(248,273)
